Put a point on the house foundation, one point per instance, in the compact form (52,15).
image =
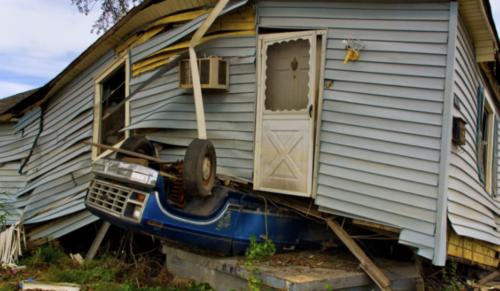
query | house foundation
(229,273)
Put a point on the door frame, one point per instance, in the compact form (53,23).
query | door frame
(316,101)
(323,33)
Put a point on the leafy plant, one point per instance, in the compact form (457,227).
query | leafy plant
(200,287)
(259,251)
(87,273)
(107,272)
(45,255)
(3,216)
(449,274)
(256,252)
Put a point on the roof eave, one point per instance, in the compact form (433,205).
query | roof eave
(479,21)
(139,16)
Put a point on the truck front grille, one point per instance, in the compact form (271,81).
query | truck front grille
(115,199)
(108,196)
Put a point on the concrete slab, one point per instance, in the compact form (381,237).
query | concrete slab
(230,274)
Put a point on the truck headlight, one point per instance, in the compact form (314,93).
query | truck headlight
(136,214)
(133,211)
(135,205)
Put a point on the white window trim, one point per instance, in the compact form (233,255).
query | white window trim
(123,59)
(488,172)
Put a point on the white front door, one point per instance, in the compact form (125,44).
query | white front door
(285,113)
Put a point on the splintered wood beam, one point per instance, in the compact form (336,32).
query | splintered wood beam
(126,152)
(198,97)
(308,211)
(208,22)
(365,262)
(195,74)
(490,277)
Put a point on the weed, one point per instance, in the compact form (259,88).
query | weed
(256,252)
(44,255)
(200,287)
(85,274)
(449,274)
(49,263)
(3,216)
(126,287)
(5,287)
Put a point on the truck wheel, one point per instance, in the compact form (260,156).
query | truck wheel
(140,145)
(199,168)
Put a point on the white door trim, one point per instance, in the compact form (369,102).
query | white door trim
(265,41)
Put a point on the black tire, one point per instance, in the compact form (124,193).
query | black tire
(140,145)
(200,166)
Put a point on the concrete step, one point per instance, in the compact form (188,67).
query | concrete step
(229,273)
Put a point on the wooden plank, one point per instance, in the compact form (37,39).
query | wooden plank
(198,97)
(97,241)
(297,206)
(490,277)
(25,285)
(208,22)
(126,152)
(195,40)
(365,262)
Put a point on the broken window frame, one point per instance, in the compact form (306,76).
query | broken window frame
(488,146)
(122,60)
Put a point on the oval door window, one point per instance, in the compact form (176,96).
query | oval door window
(287,75)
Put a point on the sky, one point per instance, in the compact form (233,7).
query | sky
(39,38)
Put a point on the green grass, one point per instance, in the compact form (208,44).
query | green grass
(50,264)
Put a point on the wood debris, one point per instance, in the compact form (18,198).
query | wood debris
(28,285)
(11,240)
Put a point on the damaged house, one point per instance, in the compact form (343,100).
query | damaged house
(384,113)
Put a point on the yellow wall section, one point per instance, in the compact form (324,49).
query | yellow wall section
(239,23)
(473,251)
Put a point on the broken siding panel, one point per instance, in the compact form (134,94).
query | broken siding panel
(58,172)
(382,117)
(472,211)
(61,226)
(28,119)
(239,51)
(6,130)
(164,39)
(171,36)
(45,206)
(73,167)
(17,146)
(229,115)
(44,161)
(10,180)
(67,121)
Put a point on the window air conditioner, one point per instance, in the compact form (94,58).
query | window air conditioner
(214,73)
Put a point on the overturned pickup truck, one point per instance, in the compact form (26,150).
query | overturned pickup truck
(187,204)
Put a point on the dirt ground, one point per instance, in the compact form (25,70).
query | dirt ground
(117,269)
